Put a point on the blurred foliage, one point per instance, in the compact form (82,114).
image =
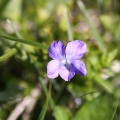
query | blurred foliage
(23,67)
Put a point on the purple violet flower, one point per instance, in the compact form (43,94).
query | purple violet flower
(66,59)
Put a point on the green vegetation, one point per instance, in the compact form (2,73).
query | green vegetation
(27,28)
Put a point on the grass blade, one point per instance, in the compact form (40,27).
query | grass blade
(115,111)
(96,35)
(28,42)
(70,37)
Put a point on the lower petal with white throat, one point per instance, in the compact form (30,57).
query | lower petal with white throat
(66,73)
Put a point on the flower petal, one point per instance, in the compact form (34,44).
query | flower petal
(65,73)
(57,50)
(52,68)
(75,49)
(79,67)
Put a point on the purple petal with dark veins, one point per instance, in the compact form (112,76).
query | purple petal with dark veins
(79,67)
(57,50)
(52,68)
(75,50)
(66,73)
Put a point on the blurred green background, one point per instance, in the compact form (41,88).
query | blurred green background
(24,86)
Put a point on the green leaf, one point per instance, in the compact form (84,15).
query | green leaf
(97,109)
(111,56)
(107,58)
(61,113)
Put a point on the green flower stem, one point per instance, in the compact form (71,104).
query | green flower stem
(93,30)
(70,37)
(44,86)
(28,42)
(44,110)
(52,104)
(8,54)
(63,86)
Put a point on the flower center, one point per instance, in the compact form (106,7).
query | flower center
(65,62)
